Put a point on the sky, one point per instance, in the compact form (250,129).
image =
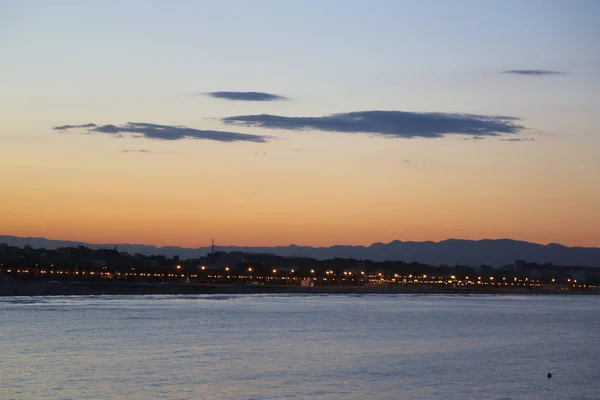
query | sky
(316,123)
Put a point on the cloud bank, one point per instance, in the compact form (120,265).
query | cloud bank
(247,96)
(393,124)
(165,132)
(532,72)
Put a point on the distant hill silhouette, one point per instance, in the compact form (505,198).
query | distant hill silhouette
(450,252)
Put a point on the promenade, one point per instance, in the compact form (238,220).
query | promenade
(55,288)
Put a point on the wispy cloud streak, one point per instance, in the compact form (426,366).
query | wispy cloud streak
(532,72)
(65,127)
(247,96)
(518,140)
(165,132)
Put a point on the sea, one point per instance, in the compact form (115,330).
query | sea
(300,347)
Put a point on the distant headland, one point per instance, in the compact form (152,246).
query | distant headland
(493,252)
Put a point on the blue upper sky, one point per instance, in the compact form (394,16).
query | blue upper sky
(347,54)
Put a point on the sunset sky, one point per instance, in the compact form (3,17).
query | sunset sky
(307,122)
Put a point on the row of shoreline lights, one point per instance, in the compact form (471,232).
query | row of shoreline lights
(330,272)
(312,271)
(452,277)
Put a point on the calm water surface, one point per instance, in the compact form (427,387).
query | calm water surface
(300,347)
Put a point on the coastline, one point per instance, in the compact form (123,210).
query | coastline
(53,288)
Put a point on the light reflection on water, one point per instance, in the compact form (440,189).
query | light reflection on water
(299,346)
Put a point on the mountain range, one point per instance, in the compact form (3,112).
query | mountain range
(493,252)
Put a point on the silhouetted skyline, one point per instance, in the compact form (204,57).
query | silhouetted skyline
(495,253)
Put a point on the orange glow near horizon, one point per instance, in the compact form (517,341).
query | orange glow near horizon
(98,219)
(354,196)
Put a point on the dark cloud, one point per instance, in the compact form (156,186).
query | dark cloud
(136,151)
(394,124)
(532,72)
(518,140)
(167,132)
(65,127)
(247,96)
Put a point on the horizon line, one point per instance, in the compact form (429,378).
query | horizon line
(296,245)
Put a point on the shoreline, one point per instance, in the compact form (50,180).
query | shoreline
(48,288)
